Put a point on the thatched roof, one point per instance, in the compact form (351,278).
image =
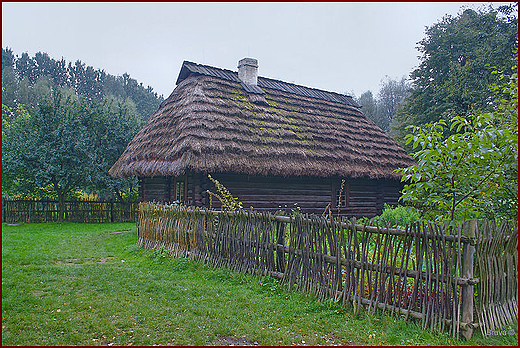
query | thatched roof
(214,123)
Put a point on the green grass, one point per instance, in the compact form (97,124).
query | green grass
(83,284)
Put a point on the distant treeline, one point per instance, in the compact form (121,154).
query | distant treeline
(25,79)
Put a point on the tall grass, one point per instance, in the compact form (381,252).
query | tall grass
(88,284)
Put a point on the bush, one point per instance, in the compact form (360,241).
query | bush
(398,216)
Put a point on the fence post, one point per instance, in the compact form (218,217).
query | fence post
(280,250)
(111,211)
(468,294)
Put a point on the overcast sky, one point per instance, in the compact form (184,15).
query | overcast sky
(340,47)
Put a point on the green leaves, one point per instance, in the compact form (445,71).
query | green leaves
(472,172)
(26,79)
(69,143)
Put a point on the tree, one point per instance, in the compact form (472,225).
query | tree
(13,120)
(7,58)
(111,132)
(389,99)
(369,106)
(25,68)
(454,72)
(66,145)
(50,147)
(20,74)
(382,109)
(469,169)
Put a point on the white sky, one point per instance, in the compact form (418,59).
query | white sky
(340,47)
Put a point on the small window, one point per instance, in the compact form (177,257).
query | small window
(180,191)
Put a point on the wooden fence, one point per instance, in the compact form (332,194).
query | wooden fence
(453,279)
(28,210)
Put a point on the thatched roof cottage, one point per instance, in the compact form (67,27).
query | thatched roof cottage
(271,143)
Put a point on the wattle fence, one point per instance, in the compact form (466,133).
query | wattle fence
(451,279)
(41,210)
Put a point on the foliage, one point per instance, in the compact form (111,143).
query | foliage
(116,123)
(229,203)
(454,73)
(13,120)
(46,149)
(369,107)
(468,167)
(67,144)
(25,79)
(398,216)
(390,97)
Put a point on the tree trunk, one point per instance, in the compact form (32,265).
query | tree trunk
(61,206)
(61,192)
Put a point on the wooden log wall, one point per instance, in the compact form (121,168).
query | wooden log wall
(156,189)
(417,272)
(312,195)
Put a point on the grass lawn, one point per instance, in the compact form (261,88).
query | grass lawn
(88,284)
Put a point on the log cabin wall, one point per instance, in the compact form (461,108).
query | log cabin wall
(166,189)
(274,193)
(154,189)
(360,197)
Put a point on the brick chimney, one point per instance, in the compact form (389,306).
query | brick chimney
(248,71)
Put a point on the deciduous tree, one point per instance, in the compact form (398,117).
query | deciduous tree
(468,167)
(455,69)
(69,143)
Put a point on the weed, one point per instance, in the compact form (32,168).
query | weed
(229,203)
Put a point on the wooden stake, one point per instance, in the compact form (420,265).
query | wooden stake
(469,230)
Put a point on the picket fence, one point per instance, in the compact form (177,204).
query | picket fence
(42,210)
(454,279)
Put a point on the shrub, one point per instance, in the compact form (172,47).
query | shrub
(398,216)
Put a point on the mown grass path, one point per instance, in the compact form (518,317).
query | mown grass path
(89,284)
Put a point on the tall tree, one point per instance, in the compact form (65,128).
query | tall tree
(69,143)
(111,132)
(369,106)
(458,54)
(7,58)
(50,147)
(20,74)
(382,109)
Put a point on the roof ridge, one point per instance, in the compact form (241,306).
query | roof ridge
(296,85)
(209,66)
(342,98)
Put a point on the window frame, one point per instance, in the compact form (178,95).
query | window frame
(178,181)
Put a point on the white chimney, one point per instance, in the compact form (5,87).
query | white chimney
(248,71)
